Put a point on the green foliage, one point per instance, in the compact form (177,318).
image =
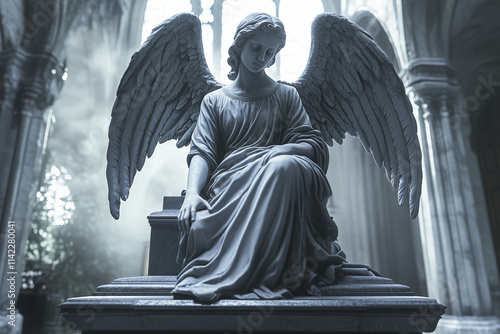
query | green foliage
(63,243)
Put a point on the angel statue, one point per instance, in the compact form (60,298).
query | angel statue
(254,212)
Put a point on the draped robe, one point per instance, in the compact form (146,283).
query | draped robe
(269,234)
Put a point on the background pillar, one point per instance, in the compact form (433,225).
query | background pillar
(453,255)
(33,35)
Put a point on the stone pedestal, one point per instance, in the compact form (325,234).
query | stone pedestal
(355,304)
(144,304)
(164,314)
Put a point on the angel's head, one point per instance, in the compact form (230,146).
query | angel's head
(253,24)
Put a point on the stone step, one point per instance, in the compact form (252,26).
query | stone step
(331,314)
(344,286)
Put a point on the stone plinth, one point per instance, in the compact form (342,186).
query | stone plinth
(333,314)
(356,303)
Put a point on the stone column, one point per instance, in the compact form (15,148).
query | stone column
(454,262)
(32,64)
(41,82)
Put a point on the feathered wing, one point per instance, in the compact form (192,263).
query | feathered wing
(158,99)
(350,85)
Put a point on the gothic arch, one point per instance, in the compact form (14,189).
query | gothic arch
(374,26)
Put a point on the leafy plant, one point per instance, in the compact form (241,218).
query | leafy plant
(63,243)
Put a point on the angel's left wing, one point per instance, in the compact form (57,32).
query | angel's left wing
(350,85)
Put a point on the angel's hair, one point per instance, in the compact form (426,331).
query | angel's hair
(254,23)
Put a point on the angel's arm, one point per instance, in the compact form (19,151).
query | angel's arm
(350,86)
(302,149)
(300,137)
(202,159)
(197,178)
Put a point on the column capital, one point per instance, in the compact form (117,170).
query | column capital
(31,81)
(432,86)
(42,82)
(431,77)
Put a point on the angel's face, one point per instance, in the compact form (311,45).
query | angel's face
(259,51)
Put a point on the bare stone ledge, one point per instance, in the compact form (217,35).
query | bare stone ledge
(331,314)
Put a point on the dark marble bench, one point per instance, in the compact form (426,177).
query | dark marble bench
(165,238)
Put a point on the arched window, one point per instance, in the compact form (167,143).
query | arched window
(297,16)
(371,24)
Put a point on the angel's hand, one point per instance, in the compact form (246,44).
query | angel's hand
(187,214)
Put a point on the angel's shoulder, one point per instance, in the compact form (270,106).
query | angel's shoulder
(212,98)
(210,105)
(288,92)
(215,94)
(285,88)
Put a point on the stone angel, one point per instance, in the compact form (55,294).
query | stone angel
(254,210)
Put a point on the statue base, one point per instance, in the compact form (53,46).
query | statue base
(357,302)
(144,305)
(164,314)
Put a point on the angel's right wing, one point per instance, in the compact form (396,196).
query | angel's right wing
(158,99)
